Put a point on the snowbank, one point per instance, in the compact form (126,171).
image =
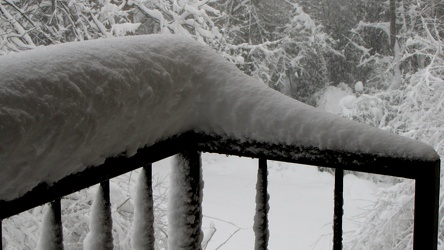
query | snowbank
(69,106)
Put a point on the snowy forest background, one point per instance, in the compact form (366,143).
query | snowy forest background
(385,57)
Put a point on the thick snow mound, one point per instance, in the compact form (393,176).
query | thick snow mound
(69,106)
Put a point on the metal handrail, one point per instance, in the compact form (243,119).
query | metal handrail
(425,173)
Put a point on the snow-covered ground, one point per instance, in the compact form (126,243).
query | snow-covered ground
(301,203)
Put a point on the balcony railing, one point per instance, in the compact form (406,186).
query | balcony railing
(425,174)
(63,110)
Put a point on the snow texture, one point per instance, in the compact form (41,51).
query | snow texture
(329,100)
(359,87)
(121,29)
(100,227)
(143,230)
(185,203)
(69,106)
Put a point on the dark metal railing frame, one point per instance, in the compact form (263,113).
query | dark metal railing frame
(425,173)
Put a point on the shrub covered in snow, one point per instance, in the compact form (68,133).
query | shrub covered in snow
(406,98)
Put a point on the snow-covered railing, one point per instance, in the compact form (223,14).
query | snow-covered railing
(78,114)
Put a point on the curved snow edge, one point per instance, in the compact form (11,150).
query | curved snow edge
(69,106)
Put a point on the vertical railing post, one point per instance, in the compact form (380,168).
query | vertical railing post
(51,233)
(1,235)
(58,228)
(100,234)
(260,227)
(108,229)
(143,233)
(185,202)
(425,228)
(338,208)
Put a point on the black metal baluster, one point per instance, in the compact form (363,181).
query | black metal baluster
(107,210)
(185,218)
(51,233)
(150,213)
(143,225)
(1,235)
(260,227)
(100,235)
(58,228)
(425,231)
(338,209)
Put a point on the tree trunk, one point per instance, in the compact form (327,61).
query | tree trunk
(392,16)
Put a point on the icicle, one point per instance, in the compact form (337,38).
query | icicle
(100,234)
(185,203)
(143,224)
(260,227)
(51,237)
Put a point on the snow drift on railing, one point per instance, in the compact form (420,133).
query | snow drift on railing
(69,106)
